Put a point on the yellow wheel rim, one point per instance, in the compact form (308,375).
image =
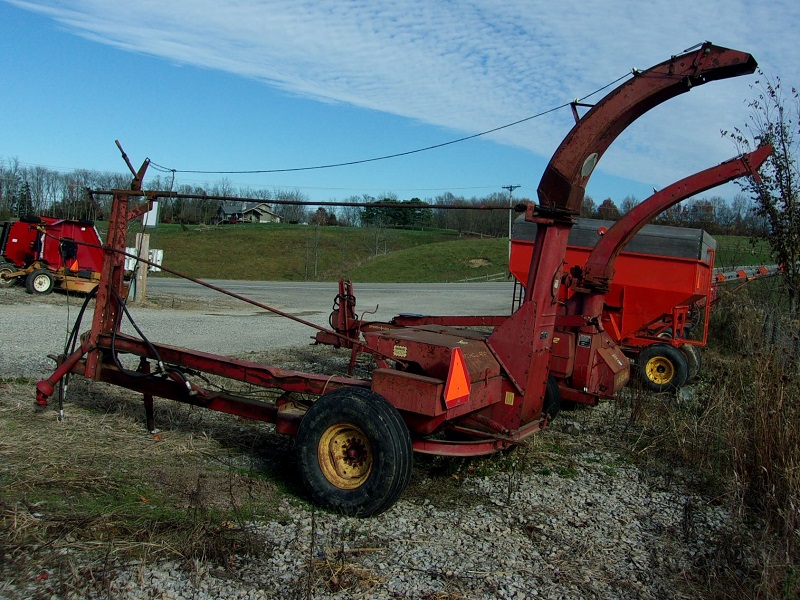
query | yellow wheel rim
(659,370)
(345,456)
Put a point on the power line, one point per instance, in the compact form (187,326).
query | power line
(273,186)
(362,161)
(278,186)
(388,156)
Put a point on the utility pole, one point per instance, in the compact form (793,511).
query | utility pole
(143,251)
(510,189)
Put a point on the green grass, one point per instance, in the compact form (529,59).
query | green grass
(442,261)
(737,250)
(302,252)
(308,253)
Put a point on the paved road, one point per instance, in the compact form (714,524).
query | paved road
(190,316)
(390,298)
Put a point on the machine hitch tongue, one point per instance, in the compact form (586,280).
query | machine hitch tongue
(443,385)
(46,387)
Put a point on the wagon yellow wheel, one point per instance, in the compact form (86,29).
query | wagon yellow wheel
(662,367)
(660,370)
(345,456)
(354,452)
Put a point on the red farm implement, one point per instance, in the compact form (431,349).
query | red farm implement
(658,304)
(440,384)
(47,253)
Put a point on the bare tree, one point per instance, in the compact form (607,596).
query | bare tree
(291,213)
(350,215)
(774,119)
(449,219)
(628,204)
(588,207)
(9,188)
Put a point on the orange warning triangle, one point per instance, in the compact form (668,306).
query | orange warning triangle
(74,265)
(456,390)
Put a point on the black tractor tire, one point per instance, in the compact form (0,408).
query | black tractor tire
(552,399)
(7,268)
(693,359)
(354,452)
(40,281)
(662,368)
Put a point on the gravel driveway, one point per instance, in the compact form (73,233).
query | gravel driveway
(581,520)
(195,317)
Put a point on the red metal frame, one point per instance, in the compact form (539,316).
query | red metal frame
(664,286)
(501,376)
(599,268)
(561,192)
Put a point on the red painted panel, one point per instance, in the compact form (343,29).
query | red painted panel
(21,245)
(645,286)
(90,257)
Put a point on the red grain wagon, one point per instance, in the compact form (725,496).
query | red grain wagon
(658,303)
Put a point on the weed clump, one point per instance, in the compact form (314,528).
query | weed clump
(738,428)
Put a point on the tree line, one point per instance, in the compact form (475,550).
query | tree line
(36,190)
(714,214)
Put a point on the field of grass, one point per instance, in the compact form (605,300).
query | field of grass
(737,250)
(309,253)
(442,261)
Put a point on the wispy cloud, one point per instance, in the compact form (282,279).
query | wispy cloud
(468,66)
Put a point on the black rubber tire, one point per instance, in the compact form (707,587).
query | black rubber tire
(374,432)
(693,359)
(7,268)
(552,399)
(40,281)
(662,368)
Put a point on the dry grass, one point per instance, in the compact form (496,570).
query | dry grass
(94,494)
(333,570)
(85,496)
(740,431)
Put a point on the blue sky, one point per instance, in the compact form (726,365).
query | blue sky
(231,85)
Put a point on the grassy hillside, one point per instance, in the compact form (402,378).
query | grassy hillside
(442,261)
(299,252)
